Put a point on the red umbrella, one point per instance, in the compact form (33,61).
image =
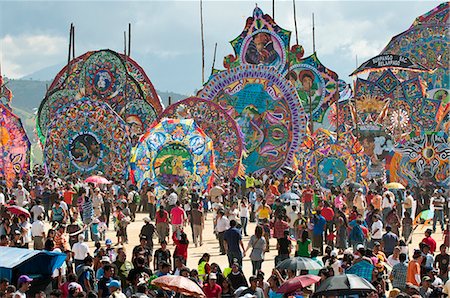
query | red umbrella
(298,282)
(179,284)
(97,180)
(14,209)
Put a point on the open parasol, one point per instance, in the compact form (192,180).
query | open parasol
(97,180)
(179,284)
(17,210)
(345,284)
(394,185)
(298,282)
(299,263)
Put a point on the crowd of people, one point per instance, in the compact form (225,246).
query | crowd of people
(366,231)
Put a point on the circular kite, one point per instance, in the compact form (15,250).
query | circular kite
(14,147)
(266,108)
(87,137)
(331,161)
(174,152)
(218,125)
(106,76)
(422,159)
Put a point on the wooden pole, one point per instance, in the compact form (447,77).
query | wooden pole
(125,43)
(129,39)
(295,22)
(170,100)
(214,58)
(73,42)
(273,9)
(203,41)
(313,34)
(70,49)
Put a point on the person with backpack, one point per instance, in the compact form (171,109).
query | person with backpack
(85,274)
(134,199)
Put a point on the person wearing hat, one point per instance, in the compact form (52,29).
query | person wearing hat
(114,289)
(429,240)
(21,195)
(425,289)
(73,289)
(211,288)
(413,272)
(23,285)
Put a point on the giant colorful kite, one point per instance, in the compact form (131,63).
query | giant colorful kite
(427,42)
(266,108)
(174,152)
(219,126)
(422,160)
(105,76)
(329,160)
(14,147)
(317,86)
(262,42)
(87,137)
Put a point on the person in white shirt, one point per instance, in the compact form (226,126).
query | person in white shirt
(38,233)
(80,251)
(22,195)
(25,228)
(2,197)
(395,257)
(222,224)
(97,201)
(244,215)
(37,210)
(376,229)
(388,203)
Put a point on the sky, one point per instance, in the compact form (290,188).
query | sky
(166,38)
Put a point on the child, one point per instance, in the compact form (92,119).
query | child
(94,230)
(102,227)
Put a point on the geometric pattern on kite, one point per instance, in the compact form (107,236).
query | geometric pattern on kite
(423,160)
(218,125)
(87,137)
(14,147)
(174,152)
(106,76)
(324,155)
(268,111)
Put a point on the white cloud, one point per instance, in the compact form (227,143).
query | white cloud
(25,54)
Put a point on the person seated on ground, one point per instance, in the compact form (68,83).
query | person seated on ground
(236,277)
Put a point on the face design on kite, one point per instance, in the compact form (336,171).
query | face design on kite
(135,124)
(173,165)
(310,86)
(85,151)
(262,48)
(332,172)
(103,80)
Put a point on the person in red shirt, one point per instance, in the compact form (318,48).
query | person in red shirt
(181,247)
(328,213)
(429,241)
(369,197)
(307,197)
(279,226)
(211,288)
